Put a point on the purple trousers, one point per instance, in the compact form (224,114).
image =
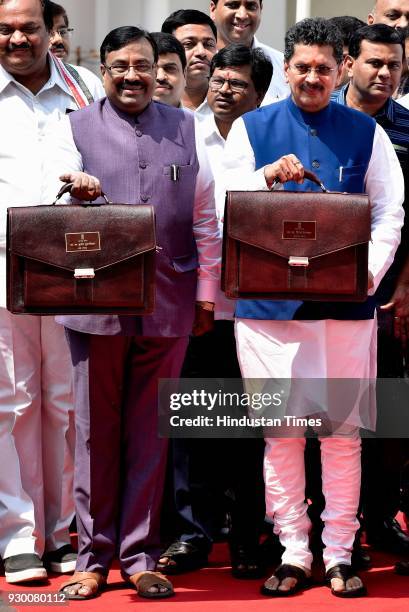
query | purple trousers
(120,460)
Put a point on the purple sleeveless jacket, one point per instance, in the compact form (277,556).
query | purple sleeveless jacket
(132,157)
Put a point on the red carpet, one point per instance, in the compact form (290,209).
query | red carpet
(214,590)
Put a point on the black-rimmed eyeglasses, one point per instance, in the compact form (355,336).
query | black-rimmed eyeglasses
(217,83)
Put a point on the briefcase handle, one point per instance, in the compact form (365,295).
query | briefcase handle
(311,177)
(67,189)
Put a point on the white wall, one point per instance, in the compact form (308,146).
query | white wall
(332,8)
(93,19)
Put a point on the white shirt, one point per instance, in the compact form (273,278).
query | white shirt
(279,88)
(23,120)
(215,143)
(383,183)
(65,157)
(404,100)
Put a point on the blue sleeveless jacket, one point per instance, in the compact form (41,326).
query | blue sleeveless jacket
(334,138)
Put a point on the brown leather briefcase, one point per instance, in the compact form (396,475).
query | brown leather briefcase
(286,245)
(81,259)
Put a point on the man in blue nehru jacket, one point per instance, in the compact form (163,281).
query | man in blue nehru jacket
(130,143)
(321,340)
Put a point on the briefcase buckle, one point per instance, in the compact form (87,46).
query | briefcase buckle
(84,273)
(299,262)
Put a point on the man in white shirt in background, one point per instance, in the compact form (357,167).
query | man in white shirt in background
(237,21)
(36,504)
(239,79)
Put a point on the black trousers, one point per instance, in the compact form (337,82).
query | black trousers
(383,458)
(207,477)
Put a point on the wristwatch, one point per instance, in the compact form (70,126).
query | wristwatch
(206,305)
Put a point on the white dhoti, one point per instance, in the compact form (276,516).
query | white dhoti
(36,435)
(301,350)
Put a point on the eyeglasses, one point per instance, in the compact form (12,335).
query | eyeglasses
(216,83)
(303,69)
(121,70)
(63,32)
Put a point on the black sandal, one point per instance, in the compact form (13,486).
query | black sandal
(245,562)
(287,571)
(344,572)
(186,558)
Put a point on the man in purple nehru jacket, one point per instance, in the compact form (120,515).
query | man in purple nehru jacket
(130,143)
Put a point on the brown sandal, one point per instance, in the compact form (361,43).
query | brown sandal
(143,581)
(99,582)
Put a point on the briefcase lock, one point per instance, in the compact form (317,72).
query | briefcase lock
(84,273)
(299,262)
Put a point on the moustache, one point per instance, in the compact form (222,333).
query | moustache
(130,84)
(163,84)
(14,47)
(312,86)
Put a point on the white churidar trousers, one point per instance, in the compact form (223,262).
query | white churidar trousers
(36,435)
(311,349)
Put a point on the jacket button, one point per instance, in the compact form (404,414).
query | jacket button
(144,198)
(138,133)
(315,164)
(314,132)
(143,165)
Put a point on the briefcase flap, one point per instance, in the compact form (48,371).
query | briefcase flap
(298,224)
(73,237)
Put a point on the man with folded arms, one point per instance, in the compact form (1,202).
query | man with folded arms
(142,152)
(36,505)
(375,62)
(320,340)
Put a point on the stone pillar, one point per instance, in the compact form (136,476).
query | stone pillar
(273,23)
(155,13)
(102,21)
(303,9)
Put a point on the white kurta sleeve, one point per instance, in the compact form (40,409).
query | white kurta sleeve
(239,162)
(62,157)
(385,187)
(205,227)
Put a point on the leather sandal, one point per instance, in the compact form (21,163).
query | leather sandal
(344,572)
(186,558)
(245,562)
(287,571)
(143,581)
(98,584)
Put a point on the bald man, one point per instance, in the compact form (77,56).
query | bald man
(394,13)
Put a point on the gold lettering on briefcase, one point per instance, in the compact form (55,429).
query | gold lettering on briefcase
(299,230)
(82,241)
